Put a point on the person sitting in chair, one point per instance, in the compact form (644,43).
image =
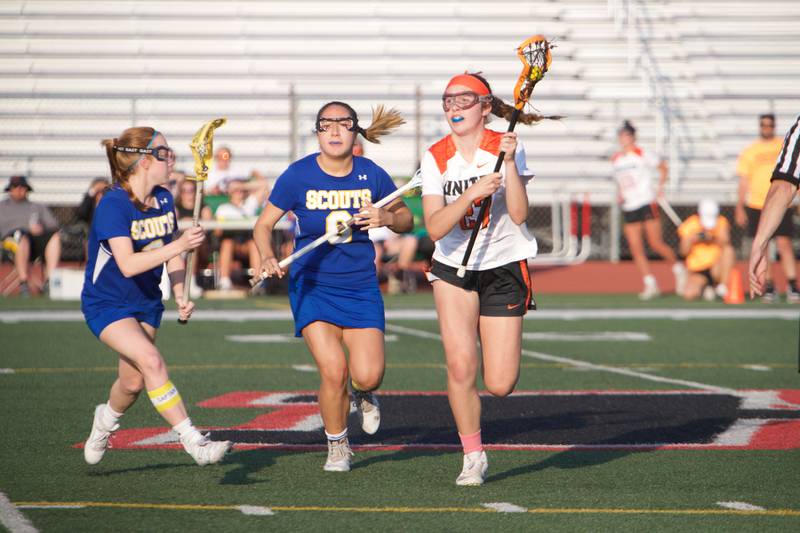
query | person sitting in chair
(30,231)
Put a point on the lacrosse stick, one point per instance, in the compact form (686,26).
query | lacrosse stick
(673,216)
(535,56)
(342,227)
(203,151)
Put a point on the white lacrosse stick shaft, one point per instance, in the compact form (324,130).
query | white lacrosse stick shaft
(673,216)
(416,181)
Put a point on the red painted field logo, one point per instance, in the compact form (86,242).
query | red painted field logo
(526,420)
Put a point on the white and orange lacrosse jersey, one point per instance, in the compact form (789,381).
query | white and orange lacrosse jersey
(500,241)
(634,172)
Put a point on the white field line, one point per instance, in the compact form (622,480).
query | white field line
(7,371)
(12,519)
(237,315)
(256,510)
(741,506)
(757,368)
(587,336)
(577,363)
(505,507)
(280,338)
(741,432)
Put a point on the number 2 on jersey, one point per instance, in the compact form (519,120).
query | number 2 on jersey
(468,222)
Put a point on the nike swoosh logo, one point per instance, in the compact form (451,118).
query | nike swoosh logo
(510,307)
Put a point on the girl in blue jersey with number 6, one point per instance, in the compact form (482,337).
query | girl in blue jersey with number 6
(333,290)
(133,234)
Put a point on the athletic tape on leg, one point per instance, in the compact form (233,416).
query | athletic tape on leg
(164,397)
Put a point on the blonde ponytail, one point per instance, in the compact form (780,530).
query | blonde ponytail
(383,123)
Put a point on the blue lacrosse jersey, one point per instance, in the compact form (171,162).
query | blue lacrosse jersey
(320,201)
(104,284)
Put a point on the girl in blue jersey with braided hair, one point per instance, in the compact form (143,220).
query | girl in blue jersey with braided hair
(333,290)
(133,234)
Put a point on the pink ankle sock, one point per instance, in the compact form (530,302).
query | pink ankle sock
(471,443)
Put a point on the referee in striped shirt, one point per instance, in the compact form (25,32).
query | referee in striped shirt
(785,182)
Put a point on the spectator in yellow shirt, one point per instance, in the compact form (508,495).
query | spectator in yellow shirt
(706,244)
(754,168)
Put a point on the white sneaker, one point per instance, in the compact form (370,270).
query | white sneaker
(195,291)
(369,412)
(681,277)
(708,293)
(97,443)
(721,290)
(474,470)
(225,284)
(339,454)
(650,291)
(205,451)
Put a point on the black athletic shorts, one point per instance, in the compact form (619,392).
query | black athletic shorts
(706,274)
(785,228)
(646,212)
(502,291)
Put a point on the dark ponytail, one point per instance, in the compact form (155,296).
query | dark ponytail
(504,110)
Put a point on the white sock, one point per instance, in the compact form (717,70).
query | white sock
(650,280)
(678,268)
(186,430)
(336,436)
(110,417)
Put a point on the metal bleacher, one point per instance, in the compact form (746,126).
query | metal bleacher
(691,75)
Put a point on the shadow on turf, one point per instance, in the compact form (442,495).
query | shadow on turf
(577,458)
(146,468)
(250,462)
(253,461)
(404,455)
(569,459)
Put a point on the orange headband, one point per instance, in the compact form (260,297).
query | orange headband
(468,80)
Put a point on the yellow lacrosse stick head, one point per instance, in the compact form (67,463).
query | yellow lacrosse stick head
(536,58)
(202,146)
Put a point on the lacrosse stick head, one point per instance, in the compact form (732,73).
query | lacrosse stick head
(202,146)
(536,58)
(416,180)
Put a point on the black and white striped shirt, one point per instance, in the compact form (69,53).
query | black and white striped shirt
(788,166)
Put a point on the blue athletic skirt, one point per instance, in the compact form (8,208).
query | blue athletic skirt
(345,305)
(99,317)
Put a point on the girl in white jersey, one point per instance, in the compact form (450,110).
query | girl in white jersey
(633,172)
(488,303)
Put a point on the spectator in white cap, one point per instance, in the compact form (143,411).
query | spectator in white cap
(706,244)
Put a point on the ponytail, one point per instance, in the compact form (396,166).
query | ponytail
(383,123)
(504,110)
(123,164)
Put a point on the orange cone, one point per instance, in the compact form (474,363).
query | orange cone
(735,289)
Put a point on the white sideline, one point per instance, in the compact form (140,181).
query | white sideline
(238,315)
(12,519)
(264,338)
(584,336)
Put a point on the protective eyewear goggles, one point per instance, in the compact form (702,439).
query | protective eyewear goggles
(348,123)
(463,100)
(162,153)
